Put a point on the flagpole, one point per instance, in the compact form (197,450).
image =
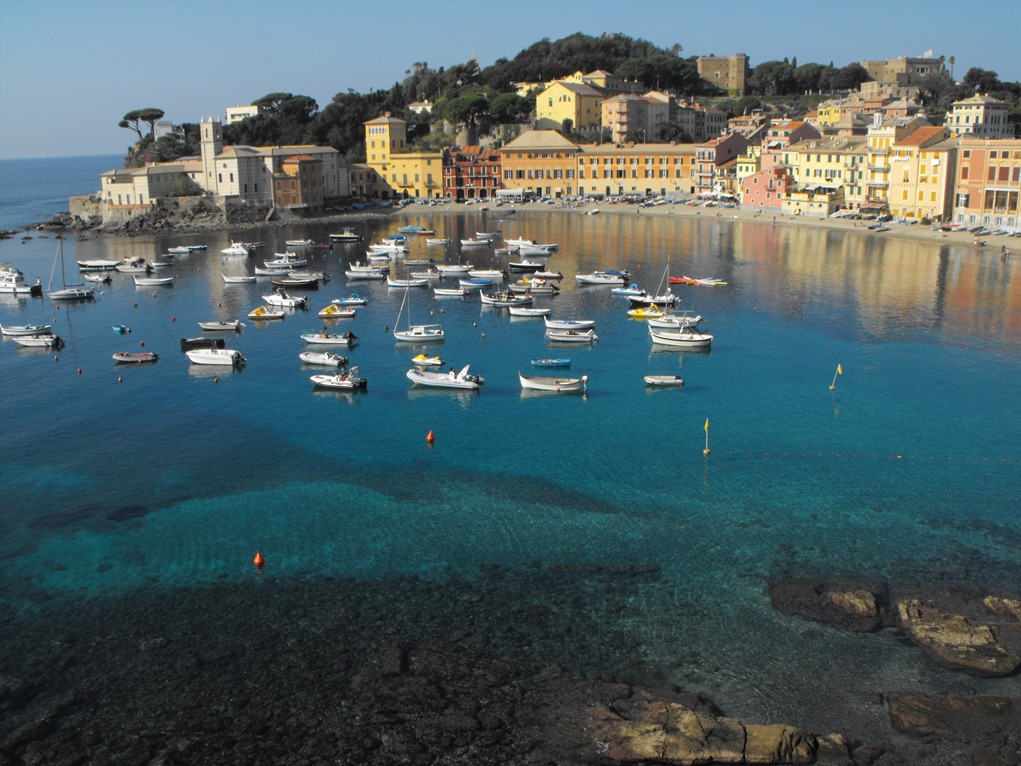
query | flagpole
(833,385)
(706,450)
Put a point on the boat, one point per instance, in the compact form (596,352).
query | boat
(99,277)
(392,282)
(67,292)
(336,311)
(179,250)
(451,292)
(365,274)
(572,336)
(486,274)
(411,229)
(681,338)
(187,343)
(298,242)
(504,299)
(326,338)
(196,248)
(453,269)
(490,235)
(569,324)
(548,247)
(237,248)
(97,265)
(534,286)
(121,329)
(431,273)
(295,283)
(153,281)
(461,380)
(548,275)
(164,264)
(346,234)
(280,298)
(476,242)
(426,361)
(646,312)
(23,330)
(550,362)
(48,340)
(265,314)
(135,265)
(474,284)
(344,381)
(631,289)
(415,333)
(373,268)
(664,380)
(286,262)
(237,280)
(388,247)
(526,311)
(556,385)
(354,299)
(676,320)
(605,277)
(323,358)
(435,241)
(12,281)
(140,357)
(234,325)
(525,266)
(224,357)
(593,211)
(321,276)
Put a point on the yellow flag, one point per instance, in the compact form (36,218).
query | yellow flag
(840,370)
(707,424)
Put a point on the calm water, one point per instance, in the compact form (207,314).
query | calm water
(162,477)
(31,191)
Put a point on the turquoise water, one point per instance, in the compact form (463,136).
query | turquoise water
(118,480)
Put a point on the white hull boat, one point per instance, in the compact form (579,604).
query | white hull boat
(236,248)
(415,333)
(602,278)
(286,262)
(233,326)
(336,311)
(281,298)
(677,321)
(153,281)
(434,241)
(26,330)
(67,292)
(12,281)
(461,380)
(684,338)
(570,324)
(323,358)
(221,357)
(298,242)
(265,314)
(360,274)
(391,282)
(525,311)
(504,300)
(451,292)
(140,357)
(572,336)
(453,269)
(342,381)
(39,341)
(553,384)
(664,381)
(329,338)
(97,265)
(486,274)
(237,280)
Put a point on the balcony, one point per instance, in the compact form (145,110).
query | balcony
(879,168)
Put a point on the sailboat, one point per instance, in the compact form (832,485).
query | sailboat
(67,292)
(661,298)
(415,333)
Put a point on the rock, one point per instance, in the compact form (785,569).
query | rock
(957,641)
(946,716)
(857,606)
(670,733)
(1010,607)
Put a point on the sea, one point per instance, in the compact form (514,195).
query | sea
(858,405)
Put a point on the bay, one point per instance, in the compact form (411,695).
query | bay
(165,477)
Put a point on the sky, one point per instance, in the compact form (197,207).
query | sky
(70,70)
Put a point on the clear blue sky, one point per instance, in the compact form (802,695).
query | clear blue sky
(70,70)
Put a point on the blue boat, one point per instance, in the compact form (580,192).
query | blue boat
(551,362)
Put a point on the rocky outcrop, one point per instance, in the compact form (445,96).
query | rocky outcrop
(669,732)
(945,716)
(857,606)
(981,646)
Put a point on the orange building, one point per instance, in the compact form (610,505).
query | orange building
(988,182)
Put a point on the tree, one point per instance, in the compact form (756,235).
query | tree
(133,119)
(982,80)
(567,126)
(510,107)
(850,77)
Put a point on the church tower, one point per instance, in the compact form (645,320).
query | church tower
(384,137)
(211,142)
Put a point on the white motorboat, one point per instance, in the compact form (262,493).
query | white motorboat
(67,292)
(354,299)
(534,286)
(99,277)
(179,250)
(323,358)
(237,280)
(451,292)
(605,277)
(561,385)
(153,281)
(545,274)
(139,357)
(346,234)
(505,299)
(631,289)
(12,281)
(572,336)
(526,311)
(453,269)
(663,299)
(392,282)
(343,381)
(664,380)
(136,265)
(225,326)
(280,298)
(97,265)
(388,247)
(415,333)
(437,241)
(365,274)
(24,330)
(236,248)
(223,357)
(286,262)
(265,314)
(570,324)
(430,274)
(326,338)
(47,340)
(676,320)
(476,242)
(461,380)
(680,338)
(298,242)
(336,311)
(548,247)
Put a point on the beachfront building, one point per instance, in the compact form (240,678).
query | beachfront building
(635,118)
(540,163)
(728,73)
(831,168)
(132,190)
(471,173)
(299,184)
(882,135)
(716,165)
(980,116)
(988,182)
(766,189)
(922,174)
(400,174)
(636,170)
(567,100)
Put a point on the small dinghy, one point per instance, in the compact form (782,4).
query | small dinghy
(342,381)
(323,358)
(233,326)
(664,380)
(139,358)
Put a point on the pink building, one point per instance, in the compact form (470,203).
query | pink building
(767,188)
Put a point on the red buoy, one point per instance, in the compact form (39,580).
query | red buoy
(258,560)
(430,438)
(173,319)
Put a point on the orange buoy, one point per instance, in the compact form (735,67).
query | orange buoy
(173,319)
(430,438)
(258,560)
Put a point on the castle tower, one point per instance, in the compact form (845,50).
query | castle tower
(211,143)
(384,136)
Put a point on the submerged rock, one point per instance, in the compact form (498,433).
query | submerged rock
(857,606)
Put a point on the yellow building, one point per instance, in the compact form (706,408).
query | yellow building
(541,163)
(922,174)
(835,165)
(565,100)
(641,170)
(881,138)
(400,173)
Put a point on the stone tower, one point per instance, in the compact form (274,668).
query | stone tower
(211,142)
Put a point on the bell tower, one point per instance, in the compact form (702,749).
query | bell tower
(211,143)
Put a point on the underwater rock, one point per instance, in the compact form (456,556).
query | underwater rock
(857,606)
